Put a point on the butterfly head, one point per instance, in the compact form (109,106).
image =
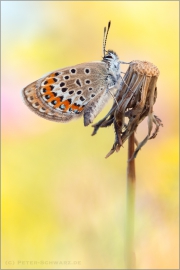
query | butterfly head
(111,57)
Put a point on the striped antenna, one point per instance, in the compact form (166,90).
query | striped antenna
(105,37)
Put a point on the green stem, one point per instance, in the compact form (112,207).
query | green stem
(129,231)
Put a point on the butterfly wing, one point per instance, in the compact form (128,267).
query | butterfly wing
(63,94)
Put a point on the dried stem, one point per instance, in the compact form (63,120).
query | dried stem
(134,101)
(129,231)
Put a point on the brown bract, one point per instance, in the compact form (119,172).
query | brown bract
(133,102)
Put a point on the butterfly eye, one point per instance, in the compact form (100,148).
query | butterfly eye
(108,56)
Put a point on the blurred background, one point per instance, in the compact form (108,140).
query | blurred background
(63,203)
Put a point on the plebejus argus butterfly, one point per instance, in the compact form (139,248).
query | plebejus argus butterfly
(78,90)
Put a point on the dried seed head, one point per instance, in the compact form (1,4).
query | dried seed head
(145,68)
(136,97)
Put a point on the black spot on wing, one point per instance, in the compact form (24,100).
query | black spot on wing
(71,92)
(73,70)
(82,98)
(87,70)
(55,94)
(64,89)
(70,101)
(87,81)
(54,102)
(78,82)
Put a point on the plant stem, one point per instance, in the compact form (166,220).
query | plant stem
(129,231)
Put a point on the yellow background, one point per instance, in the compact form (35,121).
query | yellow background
(61,199)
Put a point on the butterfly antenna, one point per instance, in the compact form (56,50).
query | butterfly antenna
(105,37)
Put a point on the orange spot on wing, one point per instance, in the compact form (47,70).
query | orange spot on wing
(49,81)
(48,88)
(59,103)
(66,103)
(58,99)
(74,107)
(51,95)
(54,74)
(80,109)
(50,99)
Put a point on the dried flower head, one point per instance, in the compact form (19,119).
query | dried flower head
(134,101)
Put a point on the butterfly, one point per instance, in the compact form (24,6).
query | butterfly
(71,92)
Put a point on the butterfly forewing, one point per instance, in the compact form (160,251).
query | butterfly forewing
(63,94)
